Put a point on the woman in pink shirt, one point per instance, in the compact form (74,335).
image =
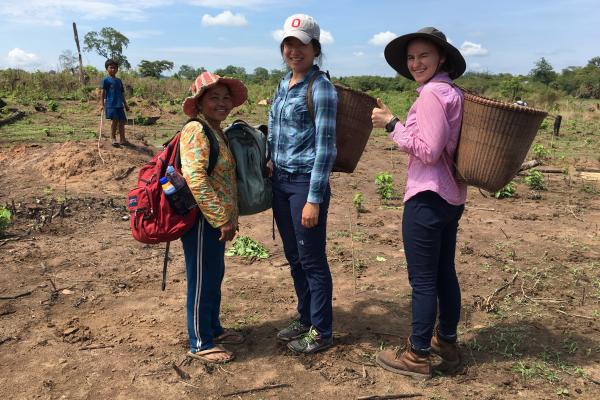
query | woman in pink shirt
(433,202)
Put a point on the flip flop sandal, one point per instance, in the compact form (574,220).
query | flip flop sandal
(230,337)
(115,144)
(126,144)
(202,355)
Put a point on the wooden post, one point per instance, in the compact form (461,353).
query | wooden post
(81,76)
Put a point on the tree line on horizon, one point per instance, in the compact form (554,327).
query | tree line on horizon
(576,81)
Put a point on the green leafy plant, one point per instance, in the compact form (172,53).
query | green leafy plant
(535,180)
(385,185)
(357,202)
(5,216)
(52,105)
(507,191)
(540,152)
(245,246)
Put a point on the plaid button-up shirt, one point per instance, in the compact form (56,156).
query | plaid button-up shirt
(299,144)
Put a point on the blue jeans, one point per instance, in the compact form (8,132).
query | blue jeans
(429,227)
(305,249)
(205,268)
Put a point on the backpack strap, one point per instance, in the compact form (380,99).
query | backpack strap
(213,154)
(309,100)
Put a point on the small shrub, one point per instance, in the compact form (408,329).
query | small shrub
(507,191)
(540,152)
(52,105)
(357,202)
(535,180)
(5,217)
(385,185)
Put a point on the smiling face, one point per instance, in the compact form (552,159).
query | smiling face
(297,55)
(216,104)
(423,59)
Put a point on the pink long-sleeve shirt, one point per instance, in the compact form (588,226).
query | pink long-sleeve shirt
(430,137)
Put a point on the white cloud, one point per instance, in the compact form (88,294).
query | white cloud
(142,34)
(326,37)
(358,54)
(277,35)
(473,49)
(225,4)
(20,58)
(55,12)
(382,38)
(226,18)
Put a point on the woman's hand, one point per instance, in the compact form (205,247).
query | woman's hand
(310,215)
(381,115)
(269,168)
(227,232)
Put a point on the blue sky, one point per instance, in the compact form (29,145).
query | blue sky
(495,36)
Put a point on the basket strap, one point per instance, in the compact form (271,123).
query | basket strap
(309,100)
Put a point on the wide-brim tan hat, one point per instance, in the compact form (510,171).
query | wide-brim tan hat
(206,80)
(395,52)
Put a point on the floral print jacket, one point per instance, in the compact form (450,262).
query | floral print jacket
(216,194)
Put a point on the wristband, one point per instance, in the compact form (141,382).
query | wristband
(389,127)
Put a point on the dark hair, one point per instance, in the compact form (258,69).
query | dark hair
(316,45)
(110,62)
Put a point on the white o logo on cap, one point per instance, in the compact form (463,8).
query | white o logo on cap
(296,23)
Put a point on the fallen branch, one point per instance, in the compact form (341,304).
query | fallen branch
(390,396)
(487,303)
(182,374)
(575,215)
(575,315)
(387,334)
(12,239)
(8,338)
(546,170)
(586,169)
(16,296)
(189,384)
(529,164)
(258,389)
(98,346)
(12,118)
(124,174)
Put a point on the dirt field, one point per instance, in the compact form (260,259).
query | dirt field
(89,321)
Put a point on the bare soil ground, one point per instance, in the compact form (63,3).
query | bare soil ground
(88,319)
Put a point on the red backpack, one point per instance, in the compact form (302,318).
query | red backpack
(152,219)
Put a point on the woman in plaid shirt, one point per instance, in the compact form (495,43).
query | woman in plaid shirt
(302,146)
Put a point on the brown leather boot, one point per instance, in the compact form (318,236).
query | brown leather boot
(405,363)
(449,352)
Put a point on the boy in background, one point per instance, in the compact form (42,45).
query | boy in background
(113,102)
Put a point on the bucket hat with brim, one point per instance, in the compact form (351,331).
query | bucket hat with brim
(395,52)
(206,80)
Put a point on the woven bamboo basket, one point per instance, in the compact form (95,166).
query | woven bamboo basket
(353,127)
(494,140)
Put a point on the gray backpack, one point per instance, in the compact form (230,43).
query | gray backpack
(249,147)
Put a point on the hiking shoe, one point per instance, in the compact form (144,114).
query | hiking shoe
(406,363)
(293,331)
(311,342)
(449,353)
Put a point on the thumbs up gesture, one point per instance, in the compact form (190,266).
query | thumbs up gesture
(381,115)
